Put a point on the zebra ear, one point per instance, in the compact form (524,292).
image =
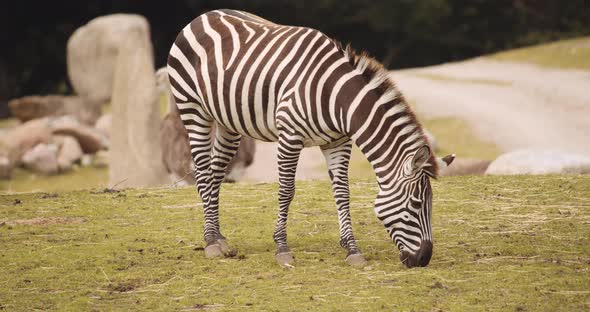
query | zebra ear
(445,161)
(421,157)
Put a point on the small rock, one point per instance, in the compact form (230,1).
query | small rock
(69,152)
(86,160)
(42,159)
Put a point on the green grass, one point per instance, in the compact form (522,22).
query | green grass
(79,178)
(565,54)
(501,243)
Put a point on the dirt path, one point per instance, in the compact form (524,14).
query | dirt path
(510,104)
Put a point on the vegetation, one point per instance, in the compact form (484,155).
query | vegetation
(501,243)
(24,180)
(399,33)
(565,54)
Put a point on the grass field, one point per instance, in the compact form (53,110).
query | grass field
(564,54)
(501,243)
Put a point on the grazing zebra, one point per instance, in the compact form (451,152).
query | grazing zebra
(298,87)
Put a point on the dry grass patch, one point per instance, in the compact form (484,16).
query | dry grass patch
(501,243)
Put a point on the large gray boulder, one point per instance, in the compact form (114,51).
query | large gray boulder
(135,159)
(92,53)
(33,107)
(539,162)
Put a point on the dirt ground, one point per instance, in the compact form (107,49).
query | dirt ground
(512,105)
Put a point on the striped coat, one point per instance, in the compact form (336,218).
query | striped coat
(296,86)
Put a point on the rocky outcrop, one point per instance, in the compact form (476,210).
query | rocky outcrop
(92,53)
(15,142)
(103,124)
(465,166)
(539,162)
(42,159)
(33,107)
(70,152)
(90,139)
(135,151)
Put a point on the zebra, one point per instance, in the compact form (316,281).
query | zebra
(300,88)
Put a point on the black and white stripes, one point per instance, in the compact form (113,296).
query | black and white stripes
(296,86)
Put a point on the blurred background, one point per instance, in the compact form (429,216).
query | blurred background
(489,99)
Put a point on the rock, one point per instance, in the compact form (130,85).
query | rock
(90,139)
(103,124)
(135,150)
(465,166)
(18,140)
(539,162)
(6,167)
(70,151)
(431,140)
(86,160)
(92,53)
(176,154)
(33,107)
(42,159)
(242,160)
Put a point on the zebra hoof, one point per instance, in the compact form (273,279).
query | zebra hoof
(356,260)
(285,259)
(224,247)
(213,251)
(219,248)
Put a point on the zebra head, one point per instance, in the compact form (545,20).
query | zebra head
(406,208)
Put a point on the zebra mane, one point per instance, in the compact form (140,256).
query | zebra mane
(375,73)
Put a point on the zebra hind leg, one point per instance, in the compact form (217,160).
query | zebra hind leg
(337,159)
(289,148)
(224,149)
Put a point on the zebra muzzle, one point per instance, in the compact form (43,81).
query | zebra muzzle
(420,258)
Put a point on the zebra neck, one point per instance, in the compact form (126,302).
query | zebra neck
(387,132)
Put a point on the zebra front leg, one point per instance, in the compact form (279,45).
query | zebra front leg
(199,127)
(289,148)
(224,149)
(337,158)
